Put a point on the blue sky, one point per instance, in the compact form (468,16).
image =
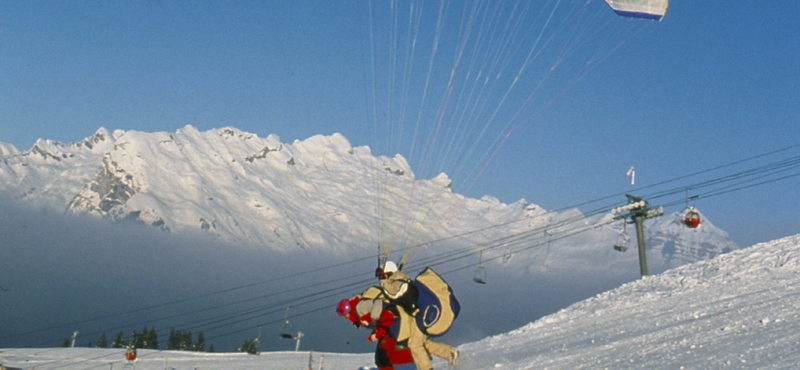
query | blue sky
(709,85)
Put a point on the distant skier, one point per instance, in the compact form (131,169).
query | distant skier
(403,291)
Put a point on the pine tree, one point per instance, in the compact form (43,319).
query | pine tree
(174,340)
(182,341)
(135,339)
(186,341)
(248,346)
(152,339)
(200,344)
(119,341)
(102,342)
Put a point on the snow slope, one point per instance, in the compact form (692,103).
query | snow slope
(736,311)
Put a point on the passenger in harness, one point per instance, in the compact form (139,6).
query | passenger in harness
(382,318)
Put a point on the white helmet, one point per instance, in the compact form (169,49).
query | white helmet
(389,266)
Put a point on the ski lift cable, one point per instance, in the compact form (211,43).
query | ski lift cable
(195,311)
(196,297)
(769,167)
(742,187)
(759,170)
(446,272)
(447,259)
(211,294)
(525,235)
(214,319)
(311,300)
(278,307)
(205,295)
(682,177)
(740,178)
(456,269)
(505,242)
(320,296)
(528,246)
(454,257)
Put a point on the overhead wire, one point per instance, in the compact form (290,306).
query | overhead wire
(513,239)
(529,236)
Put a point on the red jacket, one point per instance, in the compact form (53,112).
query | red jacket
(364,312)
(352,315)
(384,322)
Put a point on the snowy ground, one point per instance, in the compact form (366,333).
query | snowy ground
(737,311)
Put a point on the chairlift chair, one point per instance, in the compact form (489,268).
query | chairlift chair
(480,273)
(622,240)
(283,332)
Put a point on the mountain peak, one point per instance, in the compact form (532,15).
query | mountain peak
(8,150)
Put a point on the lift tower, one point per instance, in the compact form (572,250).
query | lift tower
(638,210)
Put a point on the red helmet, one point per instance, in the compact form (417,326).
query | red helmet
(343,308)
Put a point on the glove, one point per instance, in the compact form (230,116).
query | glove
(372,337)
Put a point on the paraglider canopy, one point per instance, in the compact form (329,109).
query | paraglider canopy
(650,9)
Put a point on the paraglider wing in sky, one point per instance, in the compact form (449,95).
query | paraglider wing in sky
(650,9)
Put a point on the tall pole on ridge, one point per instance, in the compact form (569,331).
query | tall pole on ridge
(639,211)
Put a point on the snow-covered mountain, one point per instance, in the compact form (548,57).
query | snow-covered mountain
(737,311)
(317,194)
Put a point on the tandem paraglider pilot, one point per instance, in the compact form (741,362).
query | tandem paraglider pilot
(404,314)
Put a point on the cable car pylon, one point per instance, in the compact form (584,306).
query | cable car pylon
(638,210)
